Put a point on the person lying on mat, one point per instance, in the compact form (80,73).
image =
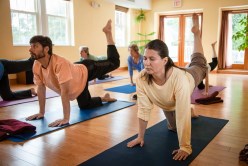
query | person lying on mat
(68,79)
(13,67)
(161,75)
(84,54)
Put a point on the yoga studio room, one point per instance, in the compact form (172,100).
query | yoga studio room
(124,83)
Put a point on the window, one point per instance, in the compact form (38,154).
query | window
(121,26)
(236,57)
(229,55)
(46,17)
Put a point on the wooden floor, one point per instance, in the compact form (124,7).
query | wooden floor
(77,143)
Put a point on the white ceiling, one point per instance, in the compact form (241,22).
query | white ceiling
(135,4)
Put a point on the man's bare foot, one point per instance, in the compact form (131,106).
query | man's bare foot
(195,21)
(107,28)
(33,92)
(193,113)
(110,75)
(107,98)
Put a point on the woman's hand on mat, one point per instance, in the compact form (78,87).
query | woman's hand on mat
(59,122)
(133,84)
(179,154)
(35,116)
(137,141)
(205,93)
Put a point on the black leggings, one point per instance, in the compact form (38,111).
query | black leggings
(13,67)
(97,69)
(212,65)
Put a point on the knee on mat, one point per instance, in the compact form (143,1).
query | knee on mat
(83,106)
(7,98)
(103,77)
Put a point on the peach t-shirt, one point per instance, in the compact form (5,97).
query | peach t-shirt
(60,71)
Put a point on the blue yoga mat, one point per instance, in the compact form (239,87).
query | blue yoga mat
(159,144)
(77,116)
(115,78)
(123,89)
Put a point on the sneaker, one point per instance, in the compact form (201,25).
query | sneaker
(243,155)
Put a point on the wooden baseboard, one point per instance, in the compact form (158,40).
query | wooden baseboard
(233,71)
(122,68)
(13,81)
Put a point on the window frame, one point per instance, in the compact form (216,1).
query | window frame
(125,25)
(224,63)
(181,32)
(42,22)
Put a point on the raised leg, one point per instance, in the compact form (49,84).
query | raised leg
(197,35)
(214,62)
(108,32)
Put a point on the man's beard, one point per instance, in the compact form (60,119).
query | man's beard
(33,56)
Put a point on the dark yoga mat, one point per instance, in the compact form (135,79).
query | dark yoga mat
(49,94)
(123,89)
(159,144)
(197,93)
(114,78)
(77,116)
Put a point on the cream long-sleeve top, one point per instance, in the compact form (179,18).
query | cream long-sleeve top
(174,95)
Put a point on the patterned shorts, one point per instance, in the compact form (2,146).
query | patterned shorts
(197,67)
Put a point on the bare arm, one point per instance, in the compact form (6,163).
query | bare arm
(140,139)
(206,84)
(207,74)
(131,81)
(41,92)
(66,106)
(213,48)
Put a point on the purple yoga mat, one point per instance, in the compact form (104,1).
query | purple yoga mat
(198,93)
(49,94)
(114,78)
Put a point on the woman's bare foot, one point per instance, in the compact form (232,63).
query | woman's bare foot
(108,32)
(107,98)
(214,43)
(108,27)
(33,92)
(195,20)
(193,113)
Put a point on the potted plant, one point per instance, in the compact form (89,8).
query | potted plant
(141,42)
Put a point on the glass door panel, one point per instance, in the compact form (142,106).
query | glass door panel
(235,58)
(189,38)
(179,38)
(171,37)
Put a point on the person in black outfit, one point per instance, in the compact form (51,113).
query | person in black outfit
(84,54)
(212,65)
(13,67)
(68,79)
